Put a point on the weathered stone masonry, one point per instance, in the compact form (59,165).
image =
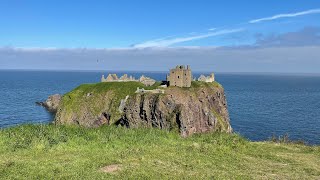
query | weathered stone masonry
(180,76)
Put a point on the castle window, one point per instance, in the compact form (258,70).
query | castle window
(178,77)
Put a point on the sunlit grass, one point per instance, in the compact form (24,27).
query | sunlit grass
(48,151)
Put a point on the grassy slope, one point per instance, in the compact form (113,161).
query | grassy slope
(47,151)
(75,100)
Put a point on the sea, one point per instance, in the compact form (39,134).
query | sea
(261,105)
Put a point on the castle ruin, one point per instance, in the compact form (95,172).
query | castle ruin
(180,76)
(206,78)
(125,78)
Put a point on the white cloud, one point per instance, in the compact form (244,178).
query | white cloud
(233,59)
(172,41)
(311,11)
(212,29)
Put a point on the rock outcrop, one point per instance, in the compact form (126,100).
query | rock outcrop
(190,112)
(52,103)
(200,108)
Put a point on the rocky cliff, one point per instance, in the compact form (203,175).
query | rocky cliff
(52,103)
(200,108)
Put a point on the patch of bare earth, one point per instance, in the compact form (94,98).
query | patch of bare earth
(111,168)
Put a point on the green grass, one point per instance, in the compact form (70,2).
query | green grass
(197,84)
(72,100)
(63,152)
(105,97)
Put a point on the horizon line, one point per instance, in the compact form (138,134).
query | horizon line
(161,71)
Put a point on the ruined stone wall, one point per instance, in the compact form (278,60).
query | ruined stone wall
(207,78)
(147,81)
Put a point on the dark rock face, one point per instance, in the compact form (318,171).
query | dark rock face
(104,118)
(190,112)
(52,103)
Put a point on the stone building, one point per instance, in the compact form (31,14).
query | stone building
(206,79)
(147,81)
(180,76)
(110,77)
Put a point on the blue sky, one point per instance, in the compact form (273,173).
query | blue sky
(254,36)
(113,24)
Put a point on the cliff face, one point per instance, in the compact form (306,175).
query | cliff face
(200,108)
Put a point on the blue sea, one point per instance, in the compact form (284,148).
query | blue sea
(260,105)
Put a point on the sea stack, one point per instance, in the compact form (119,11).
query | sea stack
(183,105)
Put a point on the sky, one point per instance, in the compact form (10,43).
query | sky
(210,35)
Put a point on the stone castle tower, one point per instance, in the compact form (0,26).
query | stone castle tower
(180,76)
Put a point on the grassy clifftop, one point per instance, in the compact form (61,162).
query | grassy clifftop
(94,95)
(73,100)
(61,152)
(92,105)
(97,98)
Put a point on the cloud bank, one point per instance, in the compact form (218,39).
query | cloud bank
(308,36)
(288,52)
(233,59)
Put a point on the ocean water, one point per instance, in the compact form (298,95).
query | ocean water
(260,105)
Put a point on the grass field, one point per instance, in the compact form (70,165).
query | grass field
(60,152)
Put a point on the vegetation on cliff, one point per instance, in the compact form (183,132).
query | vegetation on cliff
(109,152)
(200,108)
(96,98)
(73,101)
